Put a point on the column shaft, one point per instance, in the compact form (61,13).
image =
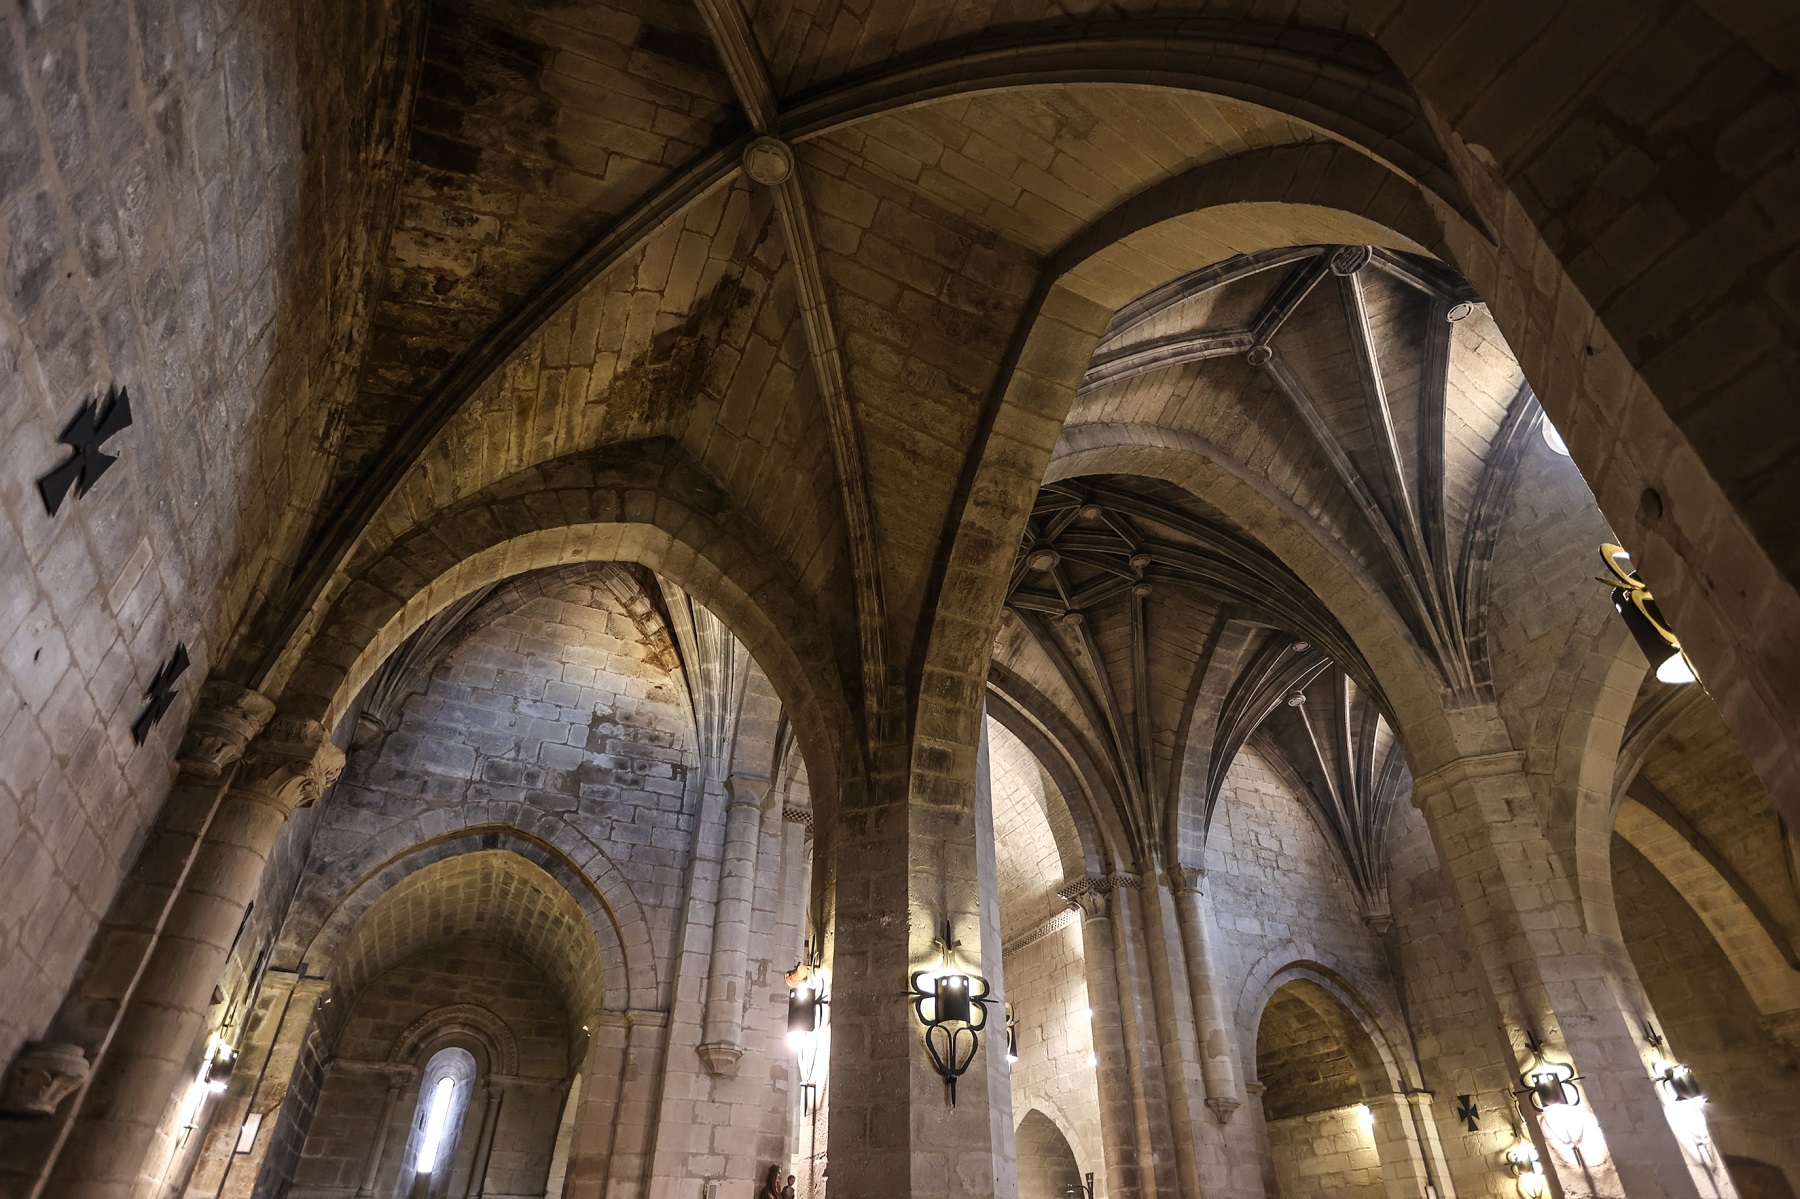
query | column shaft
(1119,1123)
(723,1029)
(372,1174)
(1544,978)
(1175,1030)
(151,1061)
(1218,1065)
(484,1143)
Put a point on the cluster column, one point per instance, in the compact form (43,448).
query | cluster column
(152,1053)
(1550,988)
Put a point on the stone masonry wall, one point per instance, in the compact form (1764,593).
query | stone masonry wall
(553,704)
(186,190)
(464,971)
(1325,1154)
(1047,983)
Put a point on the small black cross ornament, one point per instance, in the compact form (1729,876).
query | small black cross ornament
(162,693)
(92,425)
(1468,1113)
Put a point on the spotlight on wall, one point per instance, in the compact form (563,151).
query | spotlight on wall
(1632,598)
(1365,1118)
(1527,1169)
(1012,1036)
(951,1006)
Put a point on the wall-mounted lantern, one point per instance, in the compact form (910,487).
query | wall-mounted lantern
(219,1067)
(1012,1036)
(807,1002)
(1674,1079)
(1551,1091)
(1527,1169)
(1631,596)
(951,1006)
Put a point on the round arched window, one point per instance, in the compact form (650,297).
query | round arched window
(444,1088)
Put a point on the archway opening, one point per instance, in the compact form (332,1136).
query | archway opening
(1047,1166)
(1317,1067)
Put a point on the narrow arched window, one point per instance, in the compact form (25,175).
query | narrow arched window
(437,1118)
(444,1088)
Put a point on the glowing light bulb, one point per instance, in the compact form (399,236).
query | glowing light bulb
(1365,1117)
(1676,670)
(1554,440)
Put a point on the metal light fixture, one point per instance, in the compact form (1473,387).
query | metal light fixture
(1012,1036)
(951,1005)
(1676,1080)
(219,1068)
(805,1015)
(1632,598)
(1527,1169)
(1550,1089)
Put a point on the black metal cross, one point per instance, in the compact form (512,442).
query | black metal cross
(1467,1112)
(162,693)
(92,425)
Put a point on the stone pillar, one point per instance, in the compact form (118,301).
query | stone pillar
(280,1036)
(484,1142)
(722,1041)
(151,1057)
(999,1070)
(397,1081)
(1119,1123)
(115,965)
(1174,1028)
(609,1155)
(1544,978)
(1155,1130)
(1218,1066)
(1403,1171)
(900,865)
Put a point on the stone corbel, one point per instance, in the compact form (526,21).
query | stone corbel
(225,722)
(1222,1106)
(290,765)
(40,1077)
(721,1058)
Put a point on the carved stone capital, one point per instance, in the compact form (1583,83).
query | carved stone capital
(40,1077)
(742,789)
(225,721)
(1187,879)
(1091,894)
(290,765)
(721,1058)
(1222,1106)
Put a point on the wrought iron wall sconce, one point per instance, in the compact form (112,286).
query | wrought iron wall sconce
(1631,596)
(1551,1091)
(952,1007)
(1527,1170)
(1673,1078)
(807,1002)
